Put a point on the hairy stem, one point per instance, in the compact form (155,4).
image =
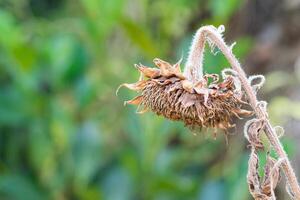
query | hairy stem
(194,64)
(193,70)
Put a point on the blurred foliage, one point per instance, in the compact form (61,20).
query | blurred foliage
(63,132)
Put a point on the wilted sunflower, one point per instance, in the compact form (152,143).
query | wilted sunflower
(205,103)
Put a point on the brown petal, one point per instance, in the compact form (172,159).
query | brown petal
(177,71)
(176,66)
(135,101)
(227,84)
(166,69)
(246,113)
(147,71)
(162,64)
(133,86)
(215,77)
(174,87)
(187,99)
(204,92)
(141,109)
(201,83)
(242,102)
(187,85)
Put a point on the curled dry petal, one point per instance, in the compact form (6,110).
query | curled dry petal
(187,85)
(147,71)
(164,66)
(167,70)
(214,77)
(135,101)
(133,86)
(176,66)
(242,112)
(141,109)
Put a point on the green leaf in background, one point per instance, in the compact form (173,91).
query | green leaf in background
(215,62)
(140,37)
(223,9)
(18,187)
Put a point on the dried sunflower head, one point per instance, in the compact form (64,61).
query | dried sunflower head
(166,91)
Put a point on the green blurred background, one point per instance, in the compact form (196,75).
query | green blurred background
(64,134)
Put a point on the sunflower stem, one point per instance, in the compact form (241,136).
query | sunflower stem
(194,72)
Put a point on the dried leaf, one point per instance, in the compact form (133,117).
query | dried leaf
(252,132)
(253,176)
(271,177)
(262,190)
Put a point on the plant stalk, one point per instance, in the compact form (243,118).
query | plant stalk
(210,33)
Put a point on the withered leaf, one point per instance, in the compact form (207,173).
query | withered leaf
(252,130)
(262,190)
(253,176)
(271,176)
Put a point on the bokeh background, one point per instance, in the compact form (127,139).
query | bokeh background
(64,134)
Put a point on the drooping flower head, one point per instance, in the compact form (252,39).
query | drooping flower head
(207,103)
